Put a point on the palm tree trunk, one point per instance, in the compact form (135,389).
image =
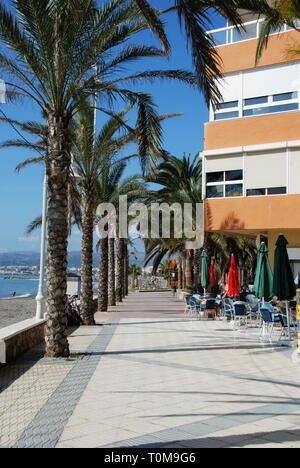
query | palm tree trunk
(189,269)
(184,272)
(111,273)
(120,270)
(126,268)
(180,276)
(197,254)
(103,276)
(58,170)
(86,298)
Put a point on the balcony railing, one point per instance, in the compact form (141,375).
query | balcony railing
(231,34)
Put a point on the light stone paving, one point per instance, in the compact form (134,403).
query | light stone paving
(158,381)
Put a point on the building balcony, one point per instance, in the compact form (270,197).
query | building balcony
(249,131)
(251,30)
(253,215)
(237,49)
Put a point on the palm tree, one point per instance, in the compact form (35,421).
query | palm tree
(48,49)
(110,186)
(181,182)
(134,271)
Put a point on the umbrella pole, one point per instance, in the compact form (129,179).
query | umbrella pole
(288,320)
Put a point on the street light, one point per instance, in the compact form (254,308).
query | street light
(40,295)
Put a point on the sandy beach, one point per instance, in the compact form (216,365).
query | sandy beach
(16,310)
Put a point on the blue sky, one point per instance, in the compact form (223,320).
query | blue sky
(21,194)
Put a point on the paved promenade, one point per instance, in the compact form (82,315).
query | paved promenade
(153,379)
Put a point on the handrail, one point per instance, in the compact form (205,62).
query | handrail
(230,29)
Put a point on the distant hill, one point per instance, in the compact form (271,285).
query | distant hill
(31,259)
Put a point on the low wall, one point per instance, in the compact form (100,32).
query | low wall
(20,338)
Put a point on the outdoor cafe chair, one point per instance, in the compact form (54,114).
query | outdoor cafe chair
(227,309)
(192,307)
(206,305)
(270,318)
(241,314)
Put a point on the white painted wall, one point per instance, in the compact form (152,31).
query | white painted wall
(260,82)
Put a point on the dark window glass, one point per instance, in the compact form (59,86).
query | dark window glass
(233,175)
(271,109)
(213,177)
(257,100)
(285,96)
(228,105)
(227,115)
(277,191)
(234,190)
(256,192)
(216,191)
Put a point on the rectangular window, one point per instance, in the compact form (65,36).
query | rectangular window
(285,97)
(256,192)
(213,177)
(228,105)
(257,100)
(269,191)
(215,191)
(234,190)
(226,115)
(270,109)
(277,191)
(233,175)
(249,32)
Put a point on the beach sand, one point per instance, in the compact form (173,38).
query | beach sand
(16,310)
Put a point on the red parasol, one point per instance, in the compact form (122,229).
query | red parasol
(212,276)
(233,284)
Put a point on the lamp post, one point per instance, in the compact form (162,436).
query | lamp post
(40,295)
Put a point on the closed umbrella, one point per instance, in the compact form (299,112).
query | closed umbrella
(233,283)
(284,284)
(212,275)
(263,284)
(204,271)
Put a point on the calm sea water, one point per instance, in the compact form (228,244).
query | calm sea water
(19,286)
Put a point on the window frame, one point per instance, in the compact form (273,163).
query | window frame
(225,183)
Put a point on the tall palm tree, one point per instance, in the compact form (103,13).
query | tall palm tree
(48,49)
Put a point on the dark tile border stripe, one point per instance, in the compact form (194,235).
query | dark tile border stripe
(48,425)
(188,435)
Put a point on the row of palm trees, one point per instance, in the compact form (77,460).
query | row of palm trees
(59,54)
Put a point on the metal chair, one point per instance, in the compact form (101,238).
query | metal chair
(227,309)
(208,304)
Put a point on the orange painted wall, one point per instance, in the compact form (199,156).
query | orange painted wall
(252,131)
(253,214)
(241,55)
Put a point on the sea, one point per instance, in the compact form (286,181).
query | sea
(18,286)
